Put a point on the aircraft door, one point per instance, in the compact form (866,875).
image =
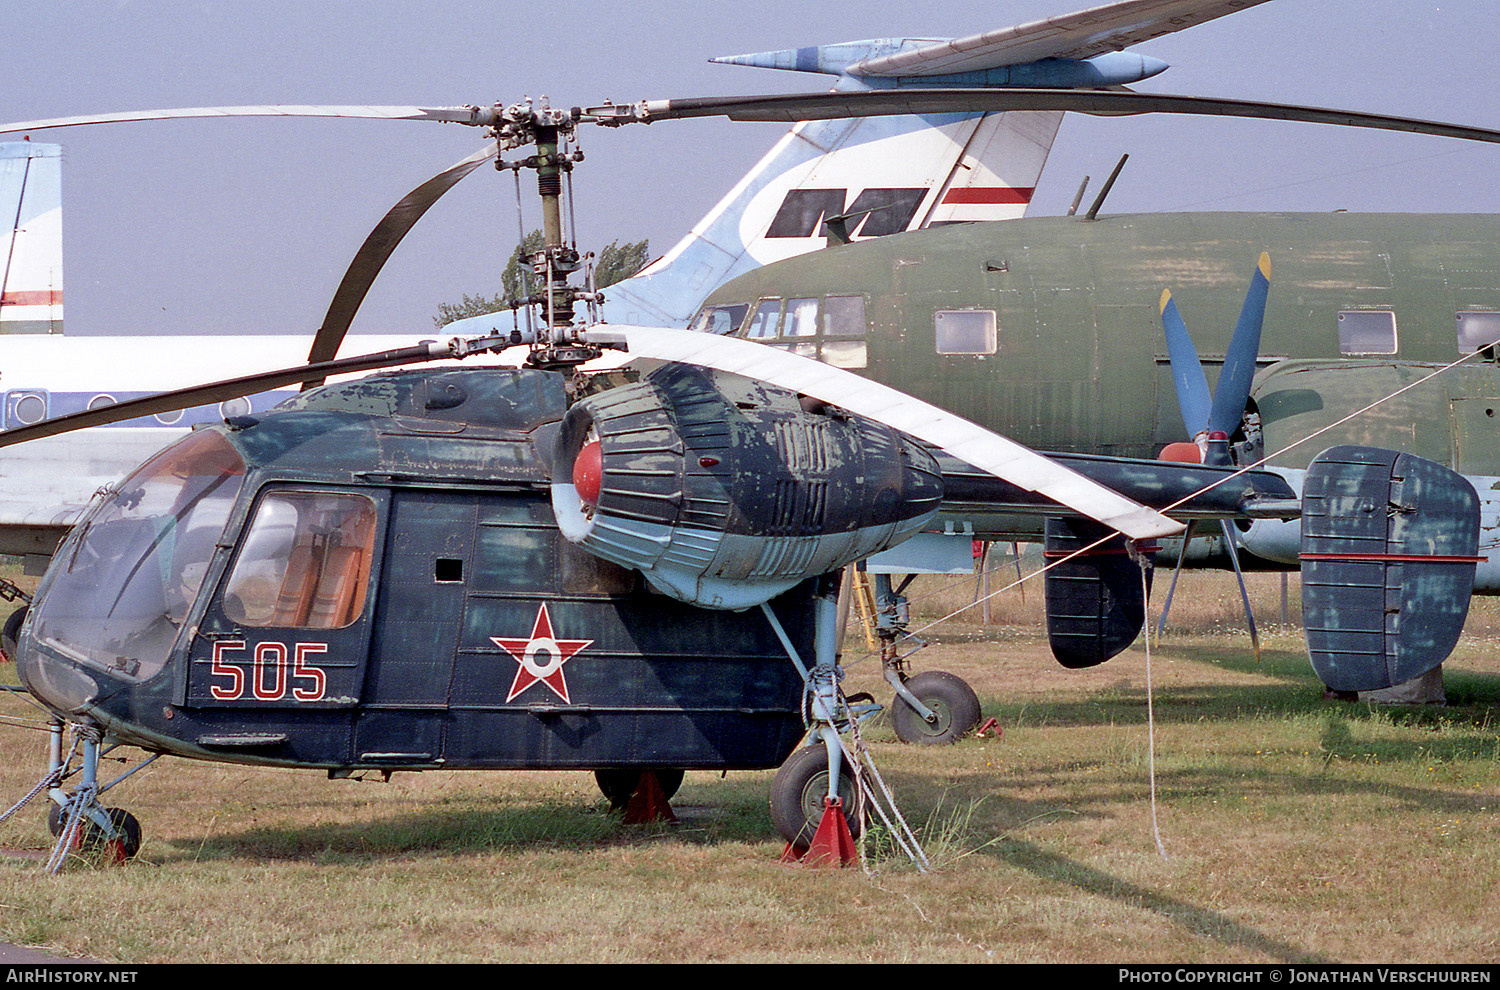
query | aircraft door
(288,629)
(428,552)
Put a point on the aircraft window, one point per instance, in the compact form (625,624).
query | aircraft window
(802,350)
(801,318)
(101,401)
(26,407)
(766,321)
(305,562)
(844,316)
(1367,331)
(844,353)
(965,331)
(132,568)
(721,319)
(239,406)
(1476,330)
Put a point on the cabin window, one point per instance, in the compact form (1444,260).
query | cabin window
(23,408)
(801,318)
(720,319)
(965,331)
(1476,330)
(305,562)
(1367,331)
(844,316)
(766,321)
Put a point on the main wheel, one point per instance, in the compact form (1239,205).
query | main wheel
(950,698)
(619,784)
(798,792)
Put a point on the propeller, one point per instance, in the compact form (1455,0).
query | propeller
(1206,414)
(1210,417)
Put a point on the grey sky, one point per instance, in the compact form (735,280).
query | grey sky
(246,225)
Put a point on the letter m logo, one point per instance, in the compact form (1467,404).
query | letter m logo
(874,212)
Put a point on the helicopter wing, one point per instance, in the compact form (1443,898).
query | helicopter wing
(1079,35)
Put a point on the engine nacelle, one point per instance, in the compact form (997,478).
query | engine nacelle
(725,492)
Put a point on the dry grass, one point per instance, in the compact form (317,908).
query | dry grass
(1293,829)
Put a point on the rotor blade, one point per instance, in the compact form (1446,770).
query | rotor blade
(197,395)
(1193,397)
(1239,361)
(793,107)
(377,248)
(456,115)
(989,451)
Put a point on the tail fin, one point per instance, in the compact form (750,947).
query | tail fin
(30,238)
(885,175)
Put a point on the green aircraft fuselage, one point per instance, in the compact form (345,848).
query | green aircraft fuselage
(1049,330)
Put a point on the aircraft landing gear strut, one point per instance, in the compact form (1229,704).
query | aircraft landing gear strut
(76,817)
(817,802)
(932,708)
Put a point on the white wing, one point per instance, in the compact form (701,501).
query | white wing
(982,448)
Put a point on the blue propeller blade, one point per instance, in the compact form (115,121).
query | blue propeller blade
(1239,362)
(1193,397)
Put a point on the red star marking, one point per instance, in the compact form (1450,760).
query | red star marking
(541,657)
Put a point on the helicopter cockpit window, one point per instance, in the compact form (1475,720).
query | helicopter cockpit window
(305,562)
(1367,331)
(134,566)
(720,319)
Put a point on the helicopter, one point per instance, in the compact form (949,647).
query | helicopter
(632,571)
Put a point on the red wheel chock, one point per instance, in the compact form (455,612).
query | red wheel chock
(832,844)
(990,725)
(649,804)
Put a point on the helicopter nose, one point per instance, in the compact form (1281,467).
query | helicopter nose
(59,685)
(588,473)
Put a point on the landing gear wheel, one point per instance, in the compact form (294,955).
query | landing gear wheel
(619,784)
(10,634)
(90,836)
(951,700)
(799,790)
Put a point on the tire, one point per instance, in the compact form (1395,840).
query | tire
(951,700)
(91,838)
(619,784)
(798,791)
(10,633)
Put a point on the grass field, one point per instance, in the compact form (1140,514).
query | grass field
(1291,829)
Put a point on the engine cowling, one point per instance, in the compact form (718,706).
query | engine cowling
(725,492)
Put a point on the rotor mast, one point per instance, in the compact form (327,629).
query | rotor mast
(558,345)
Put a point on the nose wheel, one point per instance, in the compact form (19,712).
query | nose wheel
(121,841)
(952,709)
